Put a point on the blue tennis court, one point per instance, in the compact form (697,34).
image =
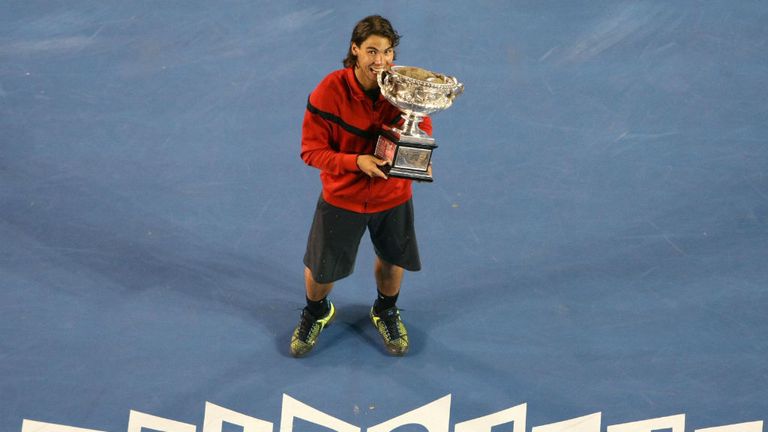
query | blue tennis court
(594,246)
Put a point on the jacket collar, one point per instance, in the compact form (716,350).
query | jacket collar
(354,86)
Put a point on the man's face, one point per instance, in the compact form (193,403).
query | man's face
(376,52)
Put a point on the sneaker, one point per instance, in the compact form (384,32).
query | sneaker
(309,328)
(392,330)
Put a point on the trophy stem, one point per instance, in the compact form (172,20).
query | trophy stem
(411,124)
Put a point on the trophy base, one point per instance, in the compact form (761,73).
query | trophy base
(410,174)
(406,159)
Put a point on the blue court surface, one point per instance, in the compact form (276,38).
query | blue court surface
(594,246)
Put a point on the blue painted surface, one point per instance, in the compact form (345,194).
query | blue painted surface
(595,240)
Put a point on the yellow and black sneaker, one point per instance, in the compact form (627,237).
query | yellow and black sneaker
(392,330)
(309,328)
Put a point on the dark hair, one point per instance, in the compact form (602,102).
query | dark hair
(368,26)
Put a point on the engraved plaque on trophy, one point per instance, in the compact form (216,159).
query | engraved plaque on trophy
(418,93)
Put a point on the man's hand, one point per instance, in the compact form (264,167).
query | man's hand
(369,164)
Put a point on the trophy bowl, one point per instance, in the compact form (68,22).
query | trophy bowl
(417,92)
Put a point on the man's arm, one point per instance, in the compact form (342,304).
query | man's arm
(316,149)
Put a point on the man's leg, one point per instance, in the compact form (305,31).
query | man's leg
(384,313)
(331,250)
(388,277)
(315,291)
(317,315)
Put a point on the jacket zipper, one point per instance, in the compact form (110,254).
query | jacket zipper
(368,197)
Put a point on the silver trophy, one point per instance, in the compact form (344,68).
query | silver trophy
(418,93)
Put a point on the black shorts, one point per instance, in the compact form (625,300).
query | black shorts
(335,236)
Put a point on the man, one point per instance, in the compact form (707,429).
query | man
(343,117)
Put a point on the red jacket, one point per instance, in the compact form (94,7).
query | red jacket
(342,122)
